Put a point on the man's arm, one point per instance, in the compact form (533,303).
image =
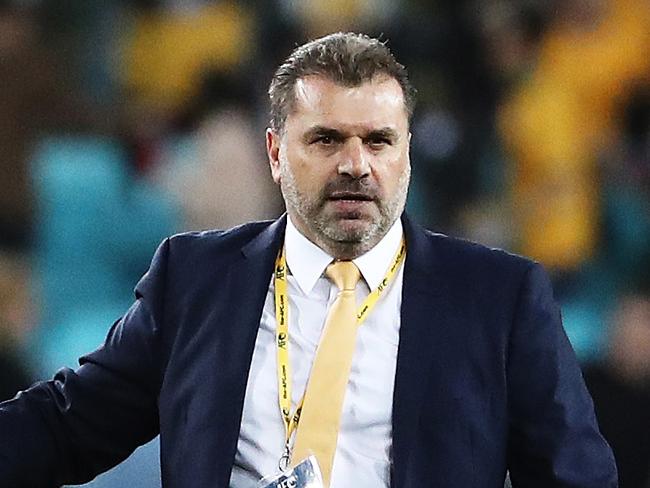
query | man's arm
(83,422)
(554,437)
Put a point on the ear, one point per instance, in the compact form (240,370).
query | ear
(273,152)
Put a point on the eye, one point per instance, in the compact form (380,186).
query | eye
(378,142)
(324,140)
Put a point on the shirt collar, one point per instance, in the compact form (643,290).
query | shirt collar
(307,261)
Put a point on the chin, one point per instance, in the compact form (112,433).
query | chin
(352,231)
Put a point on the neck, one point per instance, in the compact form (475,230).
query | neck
(345,251)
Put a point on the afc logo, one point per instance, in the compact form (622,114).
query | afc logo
(280,272)
(282,340)
(382,285)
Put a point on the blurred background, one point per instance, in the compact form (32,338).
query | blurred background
(122,122)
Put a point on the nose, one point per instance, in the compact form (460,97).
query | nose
(354,159)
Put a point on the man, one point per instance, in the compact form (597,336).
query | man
(458,371)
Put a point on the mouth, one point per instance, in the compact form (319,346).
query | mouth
(351,205)
(348,196)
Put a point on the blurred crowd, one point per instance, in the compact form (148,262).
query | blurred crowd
(122,122)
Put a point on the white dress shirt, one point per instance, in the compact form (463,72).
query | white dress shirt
(362,452)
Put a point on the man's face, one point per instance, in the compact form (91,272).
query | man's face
(342,162)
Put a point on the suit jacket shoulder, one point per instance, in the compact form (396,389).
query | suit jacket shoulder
(470,259)
(486,379)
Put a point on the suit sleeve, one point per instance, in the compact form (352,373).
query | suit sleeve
(83,422)
(554,440)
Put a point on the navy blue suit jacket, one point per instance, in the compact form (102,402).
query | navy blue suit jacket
(486,379)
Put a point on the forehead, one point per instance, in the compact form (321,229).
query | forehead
(375,103)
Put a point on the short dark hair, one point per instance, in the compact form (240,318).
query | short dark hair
(348,59)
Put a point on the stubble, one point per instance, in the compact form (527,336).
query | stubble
(339,240)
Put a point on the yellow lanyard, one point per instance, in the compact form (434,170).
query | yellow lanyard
(282,336)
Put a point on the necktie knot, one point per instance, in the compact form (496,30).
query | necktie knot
(344,274)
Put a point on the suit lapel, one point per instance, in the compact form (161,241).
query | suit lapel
(248,284)
(424,345)
(249,276)
(249,280)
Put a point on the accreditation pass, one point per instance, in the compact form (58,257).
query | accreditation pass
(304,475)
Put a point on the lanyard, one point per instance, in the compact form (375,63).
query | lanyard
(282,337)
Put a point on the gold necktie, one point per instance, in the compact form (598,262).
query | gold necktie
(321,411)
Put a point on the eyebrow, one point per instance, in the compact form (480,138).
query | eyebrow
(384,132)
(320,130)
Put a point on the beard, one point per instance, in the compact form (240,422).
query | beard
(360,230)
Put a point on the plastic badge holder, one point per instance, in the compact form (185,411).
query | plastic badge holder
(305,475)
